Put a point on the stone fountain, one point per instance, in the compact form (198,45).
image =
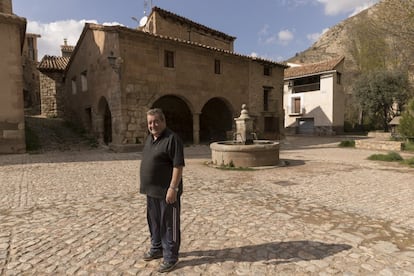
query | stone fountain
(245,150)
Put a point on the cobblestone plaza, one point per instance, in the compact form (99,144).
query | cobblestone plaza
(329,211)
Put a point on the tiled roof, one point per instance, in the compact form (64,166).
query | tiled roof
(118,28)
(53,63)
(312,68)
(179,18)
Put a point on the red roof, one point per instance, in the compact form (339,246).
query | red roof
(53,63)
(313,68)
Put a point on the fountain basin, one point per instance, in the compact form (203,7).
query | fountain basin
(233,153)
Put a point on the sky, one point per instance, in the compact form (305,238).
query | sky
(269,29)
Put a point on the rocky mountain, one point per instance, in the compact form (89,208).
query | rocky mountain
(379,37)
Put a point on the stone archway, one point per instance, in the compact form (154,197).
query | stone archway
(178,116)
(105,121)
(216,119)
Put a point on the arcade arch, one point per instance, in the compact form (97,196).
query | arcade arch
(104,121)
(216,119)
(178,116)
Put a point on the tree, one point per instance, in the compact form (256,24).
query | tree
(406,126)
(381,94)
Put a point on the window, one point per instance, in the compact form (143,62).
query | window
(74,86)
(266,92)
(267,70)
(84,81)
(30,47)
(169,59)
(217,66)
(338,78)
(296,105)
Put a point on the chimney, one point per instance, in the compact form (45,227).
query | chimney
(6,6)
(66,49)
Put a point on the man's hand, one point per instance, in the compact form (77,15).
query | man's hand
(171,196)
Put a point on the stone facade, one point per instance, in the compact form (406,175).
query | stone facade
(165,23)
(31,86)
(51,87)
(12,127)
(52,82)
(116,74)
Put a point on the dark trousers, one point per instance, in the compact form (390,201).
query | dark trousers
(164,226)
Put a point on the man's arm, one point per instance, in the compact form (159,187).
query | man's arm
(171,196)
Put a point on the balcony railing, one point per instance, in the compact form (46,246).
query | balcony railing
(306,87)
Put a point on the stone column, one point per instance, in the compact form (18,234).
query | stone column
(244,127)
(196,128)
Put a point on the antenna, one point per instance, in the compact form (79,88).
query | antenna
(146,6)
(144,19)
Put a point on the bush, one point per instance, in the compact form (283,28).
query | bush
(390,157)
(347,144)
(409,162)
(408,146)
(406,126)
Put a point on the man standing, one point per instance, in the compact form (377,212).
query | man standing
(160,174)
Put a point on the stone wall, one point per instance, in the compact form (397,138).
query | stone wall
(12,132)
(51,87)
(6,6)
(378,140)
(373,144)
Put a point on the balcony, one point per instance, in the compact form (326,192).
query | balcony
(306,87)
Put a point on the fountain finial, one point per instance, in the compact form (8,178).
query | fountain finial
(244,127)
(244,114)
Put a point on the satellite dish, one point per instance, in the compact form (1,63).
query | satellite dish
(143,21)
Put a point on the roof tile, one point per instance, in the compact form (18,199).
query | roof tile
(312,68)
(53,63)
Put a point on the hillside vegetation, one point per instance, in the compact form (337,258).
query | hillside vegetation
(381,37)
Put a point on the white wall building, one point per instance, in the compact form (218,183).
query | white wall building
(313,98)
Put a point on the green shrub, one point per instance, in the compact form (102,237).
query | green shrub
(406,126)
(390,157)
(409,162)
(347,144)
(408,146)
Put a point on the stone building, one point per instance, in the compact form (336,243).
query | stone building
(31,87)
(12,34)
(51,82)
(116,74)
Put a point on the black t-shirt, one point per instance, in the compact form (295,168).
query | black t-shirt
(159,157)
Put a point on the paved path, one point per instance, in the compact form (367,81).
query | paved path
(329,212)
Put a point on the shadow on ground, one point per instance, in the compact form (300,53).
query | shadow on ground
(270,253)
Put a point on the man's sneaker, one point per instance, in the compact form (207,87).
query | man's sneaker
(167,266)
(150,255)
